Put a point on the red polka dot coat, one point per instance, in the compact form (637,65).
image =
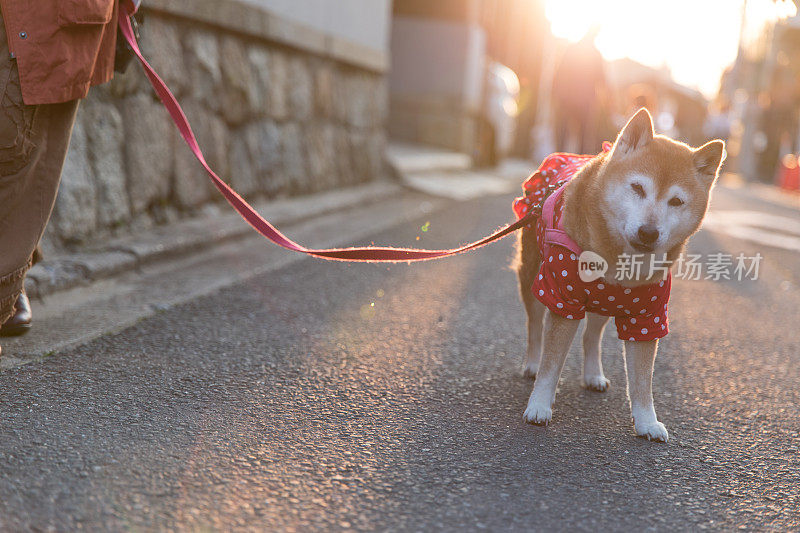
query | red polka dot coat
(640,313)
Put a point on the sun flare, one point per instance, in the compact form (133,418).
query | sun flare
(696,39)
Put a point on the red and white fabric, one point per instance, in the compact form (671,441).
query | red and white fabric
(640,313)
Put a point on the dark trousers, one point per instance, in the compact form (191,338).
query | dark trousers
(33,145)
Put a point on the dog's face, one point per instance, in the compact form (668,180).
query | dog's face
(655,190)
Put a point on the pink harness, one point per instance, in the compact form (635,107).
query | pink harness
(553,174)
(554,232)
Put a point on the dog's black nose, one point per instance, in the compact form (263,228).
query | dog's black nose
(648,234)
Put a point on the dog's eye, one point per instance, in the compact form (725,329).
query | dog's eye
(638,188)
(675,202)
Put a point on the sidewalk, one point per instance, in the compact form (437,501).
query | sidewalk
(81,296)
(424,169)
(450,174)
(116,256)
(763,191)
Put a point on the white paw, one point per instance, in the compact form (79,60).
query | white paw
(529,370)
(537,414)
(654,431)
(596,383)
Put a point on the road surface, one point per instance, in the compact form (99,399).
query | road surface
(369,397)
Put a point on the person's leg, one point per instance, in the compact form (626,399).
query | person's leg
(21,321)
(33,145)
(561,128)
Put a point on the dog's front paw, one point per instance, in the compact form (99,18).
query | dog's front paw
(653,431)
(596,383)
(537,414)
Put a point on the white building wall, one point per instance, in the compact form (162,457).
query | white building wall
(366,22)
(438,59)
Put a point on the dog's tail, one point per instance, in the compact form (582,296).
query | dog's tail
(516,260)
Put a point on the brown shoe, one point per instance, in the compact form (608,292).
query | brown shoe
(20,323)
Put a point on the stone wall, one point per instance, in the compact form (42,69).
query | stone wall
(273,119)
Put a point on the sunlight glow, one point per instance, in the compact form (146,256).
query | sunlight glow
(696,39)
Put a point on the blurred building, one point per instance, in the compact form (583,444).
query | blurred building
(364,23)
(678,111)
(438,60)
(763,89)
(444,55)
(517,36)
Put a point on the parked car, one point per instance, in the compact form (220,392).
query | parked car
(498,114)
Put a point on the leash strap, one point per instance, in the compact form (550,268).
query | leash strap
(250,215)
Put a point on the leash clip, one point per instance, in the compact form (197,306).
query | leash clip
(130,6)
(124,53)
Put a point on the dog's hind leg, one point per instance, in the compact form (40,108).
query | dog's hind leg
(535,326)
(533,354)
(527,267)
(593,377)
(558,334)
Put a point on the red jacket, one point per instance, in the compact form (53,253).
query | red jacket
(640,313)
(62,47)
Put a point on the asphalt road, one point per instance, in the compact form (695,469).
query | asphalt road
(334,396)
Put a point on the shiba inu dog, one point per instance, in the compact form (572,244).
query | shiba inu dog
(639,200)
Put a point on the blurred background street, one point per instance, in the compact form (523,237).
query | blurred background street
(184,374)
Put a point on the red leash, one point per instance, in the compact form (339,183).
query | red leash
(251,216)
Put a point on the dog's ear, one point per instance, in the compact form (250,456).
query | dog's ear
(708,160)
(637,133)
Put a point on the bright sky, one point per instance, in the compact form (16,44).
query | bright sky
(696,39)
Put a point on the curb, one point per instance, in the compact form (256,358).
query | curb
(132,252)
(407,158)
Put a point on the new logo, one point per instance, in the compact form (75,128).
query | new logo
(591,266)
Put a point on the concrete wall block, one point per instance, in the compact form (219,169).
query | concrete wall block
(295,162)
(263,141)
(192,187)
(359,100)
(105,133)
(376,150)
(278,87)
(205,74)
(321,156)
(379,103)
(149,151)
(323,91)
(359,147)
(75,213)
(244,177)
(340,96)
(189,189)
(161,45)
(345,169)
(259,58)
(239,95)
(132,81)
(301,89)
